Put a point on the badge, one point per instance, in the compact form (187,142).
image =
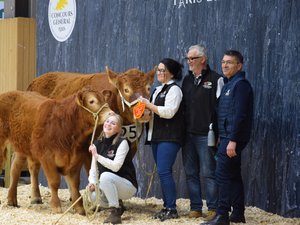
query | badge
(207,85)
(162,95)
(110,153)
(227,92)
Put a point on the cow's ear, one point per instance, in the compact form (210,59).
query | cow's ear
(112,76)
(107,95)
(79,98)
(151,75)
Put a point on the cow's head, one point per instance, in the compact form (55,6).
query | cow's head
(94,102)
(131,85)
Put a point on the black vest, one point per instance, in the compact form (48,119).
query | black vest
(200,102)
(107,150)
(167,129)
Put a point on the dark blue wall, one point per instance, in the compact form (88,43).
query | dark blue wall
(134,33)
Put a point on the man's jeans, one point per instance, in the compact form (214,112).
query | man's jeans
(198,159)
(229,180)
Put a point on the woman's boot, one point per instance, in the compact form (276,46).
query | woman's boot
(115,216)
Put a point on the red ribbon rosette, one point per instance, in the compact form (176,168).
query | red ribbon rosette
(138,110)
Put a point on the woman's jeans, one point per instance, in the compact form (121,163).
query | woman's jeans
(198,159)
(113,188)
(164,154)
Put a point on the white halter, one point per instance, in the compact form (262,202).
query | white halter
(124,101)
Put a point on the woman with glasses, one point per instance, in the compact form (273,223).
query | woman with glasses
(112,154)
(165,130)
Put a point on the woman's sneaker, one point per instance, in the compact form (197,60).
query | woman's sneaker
(168,214)
(158,214)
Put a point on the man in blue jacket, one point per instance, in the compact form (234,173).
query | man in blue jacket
(235,114)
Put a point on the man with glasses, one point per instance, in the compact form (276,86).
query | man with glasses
(235,112)
(201,88)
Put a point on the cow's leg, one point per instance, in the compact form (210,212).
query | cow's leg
(53,179)
(15,171)
(87,159)
(73,179)
(34,168)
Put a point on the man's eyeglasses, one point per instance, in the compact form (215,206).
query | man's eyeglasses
(229,62)
(161,70)
(192,58)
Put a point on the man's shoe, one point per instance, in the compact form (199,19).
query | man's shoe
(210,215)
(195,214)
(218,220)
(168,214)
(237,218)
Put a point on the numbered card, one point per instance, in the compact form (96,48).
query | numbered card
(132,132)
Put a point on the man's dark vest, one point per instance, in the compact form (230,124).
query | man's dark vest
(107,150)
(226,110)
(167,129)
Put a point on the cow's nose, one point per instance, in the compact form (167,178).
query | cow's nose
(137,95)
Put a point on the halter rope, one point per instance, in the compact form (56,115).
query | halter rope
(124,101)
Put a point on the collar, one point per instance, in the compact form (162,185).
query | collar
(203,73)
(166,84)
(238,74)
(109,141)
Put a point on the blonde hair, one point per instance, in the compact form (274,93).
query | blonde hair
(119,124)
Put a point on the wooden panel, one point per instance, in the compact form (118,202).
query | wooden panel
(8,55)
(18,53)
(9,157)
(17,61)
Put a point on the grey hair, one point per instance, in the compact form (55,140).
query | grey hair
(201,50)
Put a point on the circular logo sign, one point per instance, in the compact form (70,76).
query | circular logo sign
(62,17)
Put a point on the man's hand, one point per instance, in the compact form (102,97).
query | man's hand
(230,150)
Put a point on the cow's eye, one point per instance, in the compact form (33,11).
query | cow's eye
(92,102)
(148,87)
(126,90)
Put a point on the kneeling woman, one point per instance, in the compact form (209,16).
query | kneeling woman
(117,174)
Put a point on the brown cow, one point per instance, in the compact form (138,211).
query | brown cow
(49,133)
(124,88)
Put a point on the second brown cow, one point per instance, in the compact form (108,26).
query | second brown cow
(123,90)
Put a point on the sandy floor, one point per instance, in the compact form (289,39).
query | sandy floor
(138,211)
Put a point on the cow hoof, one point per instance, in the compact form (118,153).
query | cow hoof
(36,201)
(12,203)
(57,210)
(80,211)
